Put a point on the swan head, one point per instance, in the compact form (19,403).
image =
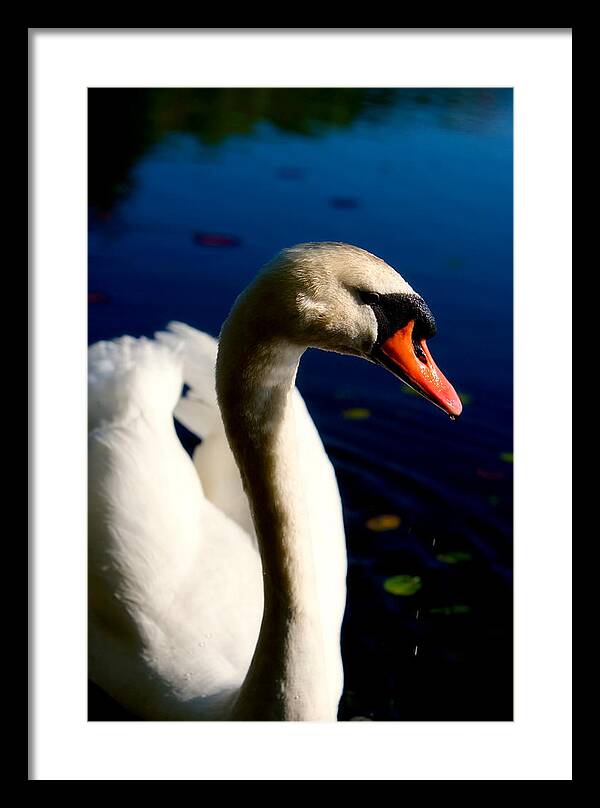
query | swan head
(341,298)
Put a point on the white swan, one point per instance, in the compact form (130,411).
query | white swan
(197,610)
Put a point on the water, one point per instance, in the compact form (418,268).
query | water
(192,191)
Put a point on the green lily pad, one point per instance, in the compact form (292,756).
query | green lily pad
(403,585)
(448,610)
(356,413)
(507,457)
(453,557)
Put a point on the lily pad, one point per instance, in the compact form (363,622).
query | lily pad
(403,585)
(216,240)
(385,521)
(490,474)
(454,557)
(343,202)
(356,413)
(448,610)
(97,297)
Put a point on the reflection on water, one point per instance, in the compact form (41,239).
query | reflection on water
(124,123)
(191,191)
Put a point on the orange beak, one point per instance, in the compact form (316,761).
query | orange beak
(413,363)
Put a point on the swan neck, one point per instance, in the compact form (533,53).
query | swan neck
(258,413)
(255,388)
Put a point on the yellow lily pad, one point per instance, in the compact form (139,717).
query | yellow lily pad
(385,521)
(356,413)
(453,557)
(403,585)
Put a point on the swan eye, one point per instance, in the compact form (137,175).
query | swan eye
(369,297)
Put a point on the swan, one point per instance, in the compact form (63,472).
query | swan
(217,585)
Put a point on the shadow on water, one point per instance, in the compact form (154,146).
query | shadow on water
(191,191)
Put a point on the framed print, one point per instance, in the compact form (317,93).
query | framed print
(291,471)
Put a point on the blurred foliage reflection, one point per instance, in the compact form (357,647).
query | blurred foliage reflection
(125,123)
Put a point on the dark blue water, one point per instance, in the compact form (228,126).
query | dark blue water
(192,191)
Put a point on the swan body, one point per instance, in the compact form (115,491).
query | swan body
(217,585)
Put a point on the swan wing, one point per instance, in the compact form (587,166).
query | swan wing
(175,591)
(198,411)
